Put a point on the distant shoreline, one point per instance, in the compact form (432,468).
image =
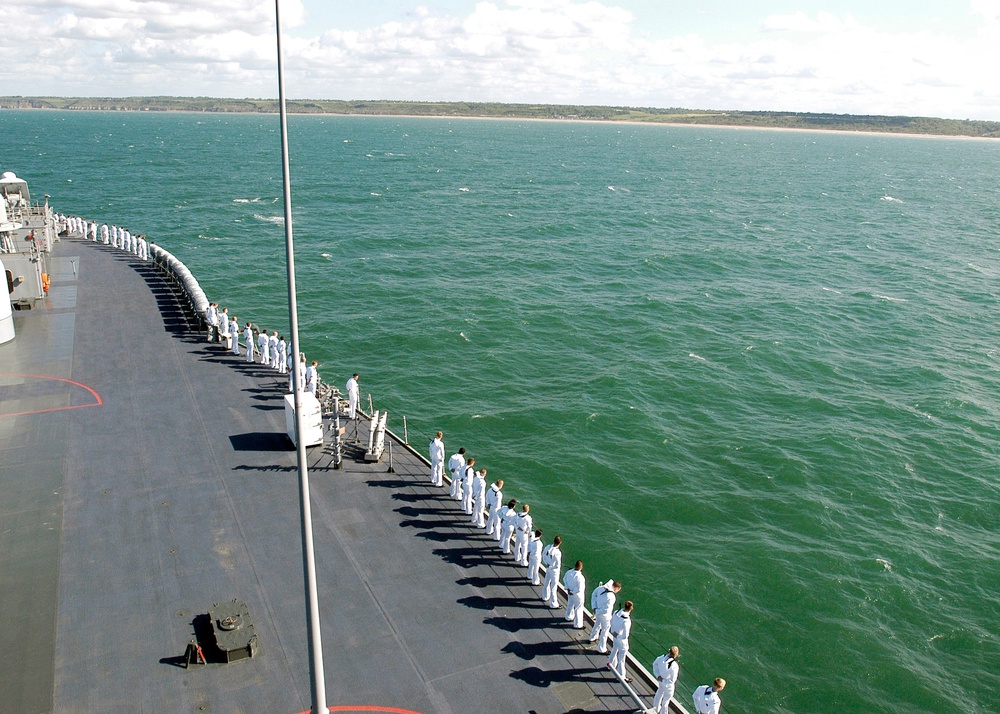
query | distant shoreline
(798,121)
(626,122)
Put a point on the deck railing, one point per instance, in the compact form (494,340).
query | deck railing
(170,265)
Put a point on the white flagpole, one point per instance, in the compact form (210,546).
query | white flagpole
(308,549)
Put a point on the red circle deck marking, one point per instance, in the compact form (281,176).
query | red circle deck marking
(96,396)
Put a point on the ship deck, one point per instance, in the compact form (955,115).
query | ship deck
(146,475)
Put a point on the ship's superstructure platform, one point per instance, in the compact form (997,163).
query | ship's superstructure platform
(146,476)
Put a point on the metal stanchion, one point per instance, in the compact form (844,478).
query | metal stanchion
(338,447)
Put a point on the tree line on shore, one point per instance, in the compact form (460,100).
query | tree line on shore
(652,115)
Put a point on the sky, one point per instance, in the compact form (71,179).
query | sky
(915,57)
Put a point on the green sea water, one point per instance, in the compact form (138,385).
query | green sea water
(752,374)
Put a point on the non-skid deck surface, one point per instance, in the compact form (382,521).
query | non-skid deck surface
(124,522)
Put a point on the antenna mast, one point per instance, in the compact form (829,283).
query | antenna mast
(305,505)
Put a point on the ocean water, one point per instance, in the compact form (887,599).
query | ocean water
(753,374)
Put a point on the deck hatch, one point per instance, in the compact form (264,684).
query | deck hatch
(233,630)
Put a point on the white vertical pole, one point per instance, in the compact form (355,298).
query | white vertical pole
(308,549)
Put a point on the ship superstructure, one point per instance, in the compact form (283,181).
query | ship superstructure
(28,231)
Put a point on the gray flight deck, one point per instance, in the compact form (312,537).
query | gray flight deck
(145,475)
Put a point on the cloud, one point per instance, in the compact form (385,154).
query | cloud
(988,10)
(551,51)
(823,23)
(118,47)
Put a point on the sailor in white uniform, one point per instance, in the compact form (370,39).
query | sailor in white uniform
(224,326)
(621,626)
(508,521)
(522,531)
(248,336)
(467,475)
(234,330)
(494,499)
(272,348)
(264,345)
(436,452)
(105,234)
(602,602)
(353,394)
(283,358)
(456,467)
(552,560)
(535,557)
(665,669)
(575,584)
(706,698)
(212,320)
(301,368)
(312,374)
(479,499)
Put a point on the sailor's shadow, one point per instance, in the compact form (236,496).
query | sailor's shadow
(412,511)
(418,497)
(516,624)
(470,557)
(528,651)
(436,536)
(215,359)
(221,355)
(421,524)
(529,603)
(389,483)
(251,368)
(494,582)
(476,602)
(544,678)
